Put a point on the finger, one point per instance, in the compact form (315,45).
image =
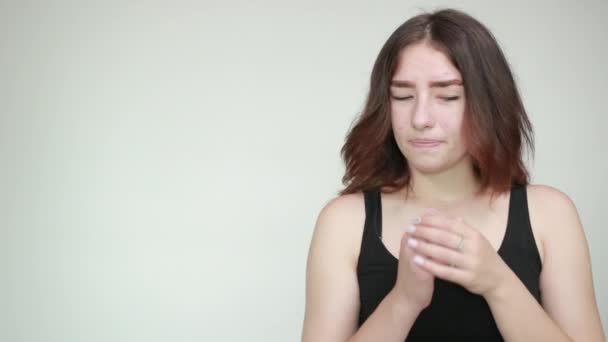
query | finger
(407,254)
(453,274)
(435,235)
(455,225)
(439,253)
(431,211)
(406,251)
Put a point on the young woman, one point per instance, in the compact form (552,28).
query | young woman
(438,234)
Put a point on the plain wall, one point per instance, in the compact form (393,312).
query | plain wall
(163,162)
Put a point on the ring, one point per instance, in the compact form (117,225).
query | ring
(460,246)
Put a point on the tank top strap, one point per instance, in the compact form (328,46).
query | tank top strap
(373,214)
(519,237)
(371,245)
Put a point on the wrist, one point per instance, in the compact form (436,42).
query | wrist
(402,306)
(503,289)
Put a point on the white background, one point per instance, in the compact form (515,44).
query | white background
(163,162)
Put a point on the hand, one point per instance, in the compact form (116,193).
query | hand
(414,284)
(450,249)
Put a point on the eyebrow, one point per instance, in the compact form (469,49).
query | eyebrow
(433,84)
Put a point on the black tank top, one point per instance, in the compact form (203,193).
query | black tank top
(454,312)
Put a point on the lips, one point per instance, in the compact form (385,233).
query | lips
(425,142)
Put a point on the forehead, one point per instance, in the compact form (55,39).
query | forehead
(422,62)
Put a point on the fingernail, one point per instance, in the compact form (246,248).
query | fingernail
(418,260)
(412,242)
(410,229)
(416,220)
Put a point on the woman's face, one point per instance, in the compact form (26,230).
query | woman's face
(427,109)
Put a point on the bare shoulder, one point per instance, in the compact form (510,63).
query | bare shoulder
(332,292)
(549,203)
(571,304)
(341,220)
(553,215)
(344,206)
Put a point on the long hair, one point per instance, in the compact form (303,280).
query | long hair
(496,127)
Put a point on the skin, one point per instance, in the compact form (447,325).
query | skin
(423,232)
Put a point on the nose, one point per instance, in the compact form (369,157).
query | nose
(422,117)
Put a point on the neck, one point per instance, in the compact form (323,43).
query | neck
(451,187)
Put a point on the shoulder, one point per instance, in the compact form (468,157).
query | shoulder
(343,207)
(340,214)
(571,304)
(550,203)
(553,216)
(340,223)
(331,277)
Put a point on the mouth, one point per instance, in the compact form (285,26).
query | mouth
(425,143)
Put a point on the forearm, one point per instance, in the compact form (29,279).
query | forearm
(391,321)
(520,317)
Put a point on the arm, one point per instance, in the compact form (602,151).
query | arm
(570,311)
(519,317)
(391,321)
(332,291)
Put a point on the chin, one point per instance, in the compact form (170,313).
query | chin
(429,168)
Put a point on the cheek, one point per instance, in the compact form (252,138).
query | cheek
(399,120)
(451,122)
(452,127)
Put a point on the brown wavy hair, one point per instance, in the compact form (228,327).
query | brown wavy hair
(496,127)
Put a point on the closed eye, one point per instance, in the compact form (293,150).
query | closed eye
(450,98)
(402,98)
